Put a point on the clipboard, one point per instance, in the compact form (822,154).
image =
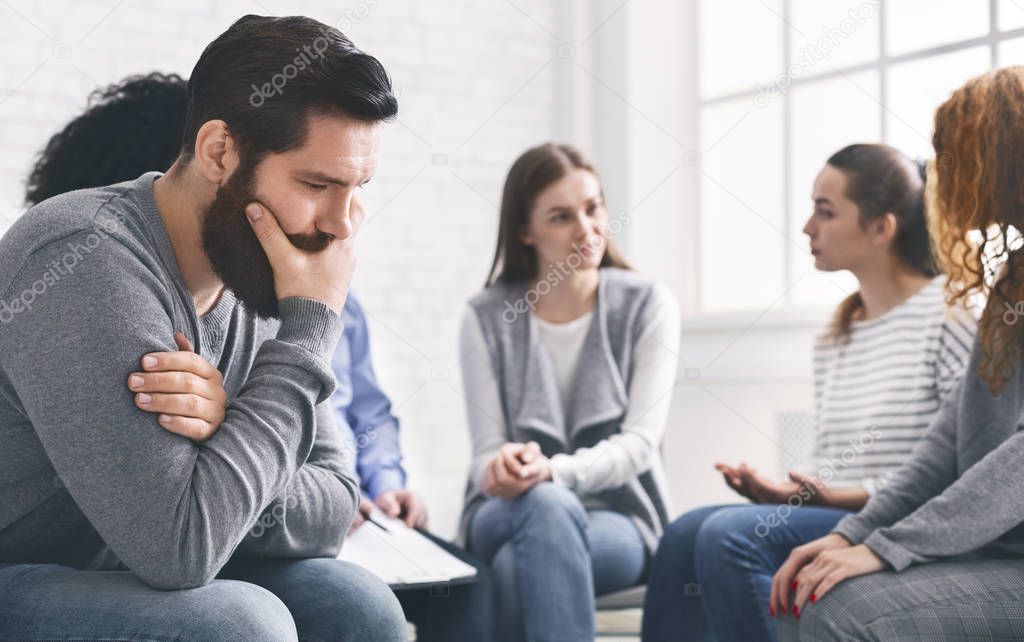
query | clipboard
(401,556)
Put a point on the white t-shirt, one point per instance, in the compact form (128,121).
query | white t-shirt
(563,342)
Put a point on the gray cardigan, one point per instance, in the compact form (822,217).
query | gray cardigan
(529,393)
(962,490)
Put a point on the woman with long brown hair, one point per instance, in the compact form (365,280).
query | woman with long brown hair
(568,365)
(882,368)
(939,552)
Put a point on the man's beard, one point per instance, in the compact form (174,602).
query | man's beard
(234,251)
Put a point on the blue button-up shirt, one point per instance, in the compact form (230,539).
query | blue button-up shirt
(362,410)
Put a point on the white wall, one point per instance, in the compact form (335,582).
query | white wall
(478,82)
(736,371)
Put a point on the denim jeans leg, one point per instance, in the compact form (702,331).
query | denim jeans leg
(52,602)
(673,608)
(618,553)
(329,599)
(547,576)
(738,551)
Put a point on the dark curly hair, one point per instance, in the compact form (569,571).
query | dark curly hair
(129,128)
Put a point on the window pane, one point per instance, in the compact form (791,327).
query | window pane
(832,34)
(727,66)
(918,24)
(1011,52)
(741,206)
(1011,14)
(826,116)
(917,88)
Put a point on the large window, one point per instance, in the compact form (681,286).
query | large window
(782,85)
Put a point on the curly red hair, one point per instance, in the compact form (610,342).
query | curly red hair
(978,185)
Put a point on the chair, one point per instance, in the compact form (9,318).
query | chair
(619,613)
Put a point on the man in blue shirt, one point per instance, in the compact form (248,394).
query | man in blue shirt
(363,414)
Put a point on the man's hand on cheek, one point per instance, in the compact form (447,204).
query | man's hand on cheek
(322,276)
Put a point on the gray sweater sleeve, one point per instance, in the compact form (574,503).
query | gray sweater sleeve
(984,503)
(930,469)
(312,516)
(172,511)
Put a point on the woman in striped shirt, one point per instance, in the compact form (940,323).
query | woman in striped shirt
(881,370)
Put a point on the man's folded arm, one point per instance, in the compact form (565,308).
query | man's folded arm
(311,517)
(172,511)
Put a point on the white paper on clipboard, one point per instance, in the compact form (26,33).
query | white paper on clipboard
(401,556)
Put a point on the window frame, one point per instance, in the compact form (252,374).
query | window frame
(881,64)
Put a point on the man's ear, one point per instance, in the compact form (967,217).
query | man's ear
(216,153)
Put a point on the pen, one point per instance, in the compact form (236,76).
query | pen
(366,516)
(376,523)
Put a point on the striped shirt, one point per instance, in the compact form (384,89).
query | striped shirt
(876,391)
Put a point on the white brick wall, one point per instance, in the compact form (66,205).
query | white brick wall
(429,244)
(464,71)
(477,81)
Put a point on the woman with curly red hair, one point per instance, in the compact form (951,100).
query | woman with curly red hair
(938,553)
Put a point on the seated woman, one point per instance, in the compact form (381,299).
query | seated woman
(568,366)
(881,370)
(938,553)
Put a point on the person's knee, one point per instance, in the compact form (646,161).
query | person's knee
(233,610)
(728,533)
(832,618)
(553,506)
(354,604)
(380,609)
(680,536)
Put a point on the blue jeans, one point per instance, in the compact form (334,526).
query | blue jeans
(549,557)
(711,577)
(277,600)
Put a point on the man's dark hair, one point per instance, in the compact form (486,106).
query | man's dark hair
(129,128)
(264,76)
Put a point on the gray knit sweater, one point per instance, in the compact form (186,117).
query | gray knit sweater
(88,285)
(962,489)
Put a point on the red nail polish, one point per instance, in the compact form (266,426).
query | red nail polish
(812,597)
(796,612)
(772,611)
(793,588)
